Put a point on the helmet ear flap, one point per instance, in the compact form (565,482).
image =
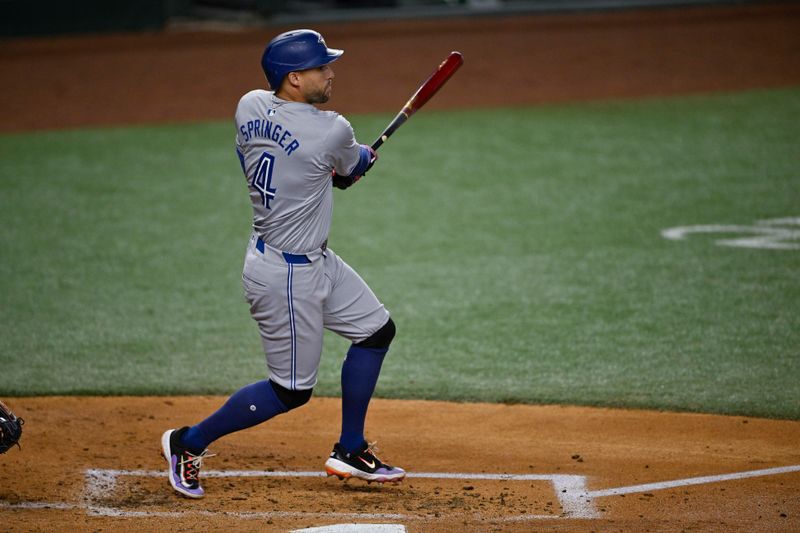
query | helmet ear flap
(293,51)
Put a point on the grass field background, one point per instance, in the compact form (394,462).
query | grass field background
(519,251)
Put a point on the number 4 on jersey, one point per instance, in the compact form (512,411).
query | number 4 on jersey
(262,179)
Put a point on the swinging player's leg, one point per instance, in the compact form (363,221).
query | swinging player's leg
(353,311)
(286,302)
(185,448)
(290,322)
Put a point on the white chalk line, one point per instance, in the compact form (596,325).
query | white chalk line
(113,512)
(96,510)
(60,506)
(102,472)
(99,510)
(569,490)
(576,501)
(648,487)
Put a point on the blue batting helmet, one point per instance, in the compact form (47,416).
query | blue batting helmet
(295,50)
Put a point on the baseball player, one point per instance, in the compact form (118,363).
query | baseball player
(292,155)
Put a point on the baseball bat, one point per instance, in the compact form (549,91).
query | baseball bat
(429,87)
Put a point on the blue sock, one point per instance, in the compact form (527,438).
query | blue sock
(249,406)
(360,373)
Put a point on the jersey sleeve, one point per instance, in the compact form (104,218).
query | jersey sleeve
(247,107)
(344,150)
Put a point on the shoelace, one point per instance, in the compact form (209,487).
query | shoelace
(193,463)
(372,449)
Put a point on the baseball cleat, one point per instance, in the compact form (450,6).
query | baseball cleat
(184,466)
(361,464)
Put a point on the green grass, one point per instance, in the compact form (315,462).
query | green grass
(519,251)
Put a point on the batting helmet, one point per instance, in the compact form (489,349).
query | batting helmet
(295,50)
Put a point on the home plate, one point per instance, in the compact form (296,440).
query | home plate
(355,528)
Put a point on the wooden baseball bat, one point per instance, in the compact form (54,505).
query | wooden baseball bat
(425,92)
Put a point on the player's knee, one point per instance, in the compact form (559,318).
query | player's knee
(381,338)
(292,399)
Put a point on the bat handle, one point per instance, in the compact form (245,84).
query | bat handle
(398,121)
(379,141)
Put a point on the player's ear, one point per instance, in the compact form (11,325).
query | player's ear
(294,79)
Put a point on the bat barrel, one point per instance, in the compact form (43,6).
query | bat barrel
(425,92)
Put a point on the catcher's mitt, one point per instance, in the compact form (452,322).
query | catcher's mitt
(10,428)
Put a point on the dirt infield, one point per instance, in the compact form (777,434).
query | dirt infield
(92,464)
(192,75)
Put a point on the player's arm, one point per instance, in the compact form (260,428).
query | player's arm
(350,160)
(366,158)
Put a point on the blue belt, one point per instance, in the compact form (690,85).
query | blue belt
(294,259)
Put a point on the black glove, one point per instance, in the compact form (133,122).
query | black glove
(10,428)
(343,182)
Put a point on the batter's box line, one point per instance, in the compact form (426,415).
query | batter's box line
(570,490)
(576,501)
(663,485)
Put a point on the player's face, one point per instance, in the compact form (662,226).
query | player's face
(317,84)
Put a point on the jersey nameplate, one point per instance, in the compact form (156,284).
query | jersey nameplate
(273,131)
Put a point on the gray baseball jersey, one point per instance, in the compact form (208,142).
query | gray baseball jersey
(288,150)
(294,284)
